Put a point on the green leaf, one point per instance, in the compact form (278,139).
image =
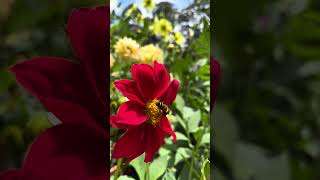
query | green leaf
(179,103)
(204,72)
(169,175)
(181,154)
(125,177)
(164,151)
(192,118)
(252,162)
(181,137)
(181,122)
(205,139)
(205,170)
(158,166)
(226,131)
(199,133)
(140,166)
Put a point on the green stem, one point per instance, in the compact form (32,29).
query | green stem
(191,167)
(148,171)
(116,174)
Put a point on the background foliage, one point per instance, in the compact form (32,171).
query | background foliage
(188,158)
(267,117)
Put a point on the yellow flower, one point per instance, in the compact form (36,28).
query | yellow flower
(171,46)
(111,60)
(150,53)
(162,27)
(127,49)
(148,4)
(178,38)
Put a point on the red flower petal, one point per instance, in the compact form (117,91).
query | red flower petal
(89,35)
(170,95)
(10,175)
(55,81)
(130,90)
(131,144)
(67,152)
(163,78)
(214,80)
(144,76)
(166,127)
(155,137)
(130,113)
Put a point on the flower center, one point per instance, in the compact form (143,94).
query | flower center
(153,112)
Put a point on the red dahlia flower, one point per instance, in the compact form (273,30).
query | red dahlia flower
(144,115)
(76,93)
(214,80)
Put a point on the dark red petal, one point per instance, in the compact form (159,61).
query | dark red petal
(89,35)
(131,144)
(163,78)
(129,114)
(166,127)
(55,82)
(67,152)
(12,174)
(155,137)
(130,90)
(147,83)
(214,80)
(170,95)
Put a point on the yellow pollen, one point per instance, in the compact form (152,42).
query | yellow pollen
(153,112)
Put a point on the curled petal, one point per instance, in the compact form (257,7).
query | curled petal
(170,95)
(166,127)
(130,90)
(130,114)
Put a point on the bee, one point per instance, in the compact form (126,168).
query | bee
(165,109)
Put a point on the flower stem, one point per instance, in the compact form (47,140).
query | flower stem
(116,174)
(148,171)
(191,168)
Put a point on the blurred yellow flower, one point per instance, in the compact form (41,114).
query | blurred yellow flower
(178,38)
(111,60)
(127,49)
(171,46)
(162,27)
(150,53)
(148,4)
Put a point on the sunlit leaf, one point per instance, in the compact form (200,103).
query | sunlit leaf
(140,166)
(158,166)
(181,154)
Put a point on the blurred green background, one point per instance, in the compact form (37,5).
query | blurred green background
(27,29)
(267,116)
